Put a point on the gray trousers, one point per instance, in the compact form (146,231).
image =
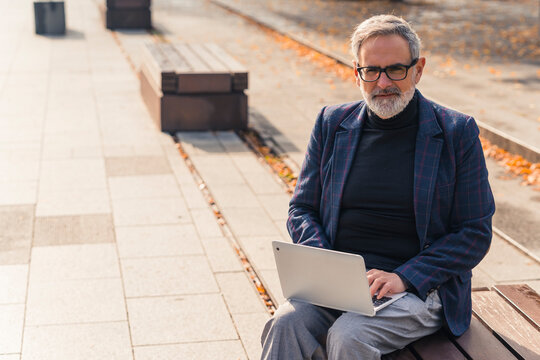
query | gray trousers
(304,331)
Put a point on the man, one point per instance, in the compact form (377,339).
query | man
(401,181)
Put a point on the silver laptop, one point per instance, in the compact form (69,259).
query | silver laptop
(326,278)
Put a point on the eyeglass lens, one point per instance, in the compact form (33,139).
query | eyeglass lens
(396,72)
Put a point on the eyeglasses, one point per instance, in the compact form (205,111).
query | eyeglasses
(394,72)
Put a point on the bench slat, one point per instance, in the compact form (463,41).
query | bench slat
(200,78)
(209,58)
(403,354)
(160,68)
(523,299)
(433,346)
(196,64)
(240,74)
(480,343)
(502,319)
(179,64)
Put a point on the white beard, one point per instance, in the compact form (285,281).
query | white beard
(387,108)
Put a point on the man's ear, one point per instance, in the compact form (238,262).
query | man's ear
(356,75)
(419,69)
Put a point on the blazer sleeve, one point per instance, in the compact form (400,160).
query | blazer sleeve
(304,221)
(467,241)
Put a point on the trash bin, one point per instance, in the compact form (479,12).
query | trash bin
(50,17)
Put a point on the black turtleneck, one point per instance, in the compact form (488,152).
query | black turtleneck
(377,213)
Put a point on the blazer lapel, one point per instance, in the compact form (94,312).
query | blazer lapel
(429,144)
(345,143)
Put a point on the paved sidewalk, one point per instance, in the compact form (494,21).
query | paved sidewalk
(108,250)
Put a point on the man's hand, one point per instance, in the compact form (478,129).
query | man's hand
(384,282)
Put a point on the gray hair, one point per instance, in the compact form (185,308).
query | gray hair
(385,25)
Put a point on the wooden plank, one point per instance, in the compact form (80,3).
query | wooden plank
(202,112)
(209,58)
(197,64)
(240,73)
(431,347)
(178,63)
(159,67)
(403,354)
(231,63)
(151,98)
(524,299)
(513,329)
(480,343)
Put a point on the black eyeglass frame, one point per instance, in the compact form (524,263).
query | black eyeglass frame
(381,70)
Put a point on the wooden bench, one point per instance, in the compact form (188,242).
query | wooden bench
(193,87)
(505,325)
(127,14)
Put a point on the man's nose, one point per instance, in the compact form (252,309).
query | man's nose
(384,81)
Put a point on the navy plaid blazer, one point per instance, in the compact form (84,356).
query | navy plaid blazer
(453,203)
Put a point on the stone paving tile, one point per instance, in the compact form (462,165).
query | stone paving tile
(200,142)
(272,284)
(192,195)
(11,357)
(150,211)
(208,350)
(250,327)
(481,279)
(250,222)
(158,240)
(259,250)
(174,319)
(17,170)
(276,205)
(232,143)
(81,229)
(73,202)
(234,196)
(16,235)
(239,293)
(263,183)
(136,165)
(75,301)
(282,226)
(221,255)
(69,262)
(505,263)
(131,150)
(216,169)
(18,193)
(143,186)
(78,342)
(206,223)
(167,276)
(13,280)
(248,162)
(63,152)
(61,175)
(11,328)
(180,169)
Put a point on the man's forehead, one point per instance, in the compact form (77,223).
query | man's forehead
(384,50)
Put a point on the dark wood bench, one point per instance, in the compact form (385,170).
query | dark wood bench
(193,87)
(127,14)
(505,325)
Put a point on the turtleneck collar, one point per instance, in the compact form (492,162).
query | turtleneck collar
(405,118)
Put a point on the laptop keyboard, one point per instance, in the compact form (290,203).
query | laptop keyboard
(377,302)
